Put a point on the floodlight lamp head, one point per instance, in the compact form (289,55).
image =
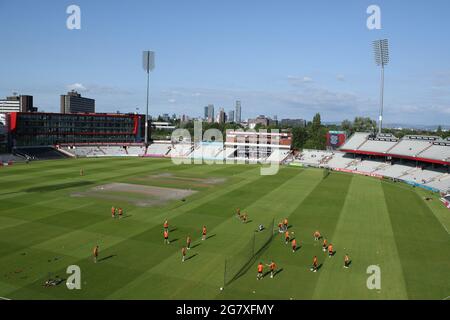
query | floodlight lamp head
(381,52)
(148,60)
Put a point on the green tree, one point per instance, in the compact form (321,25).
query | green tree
(347,126)
(364,124)
(299,137)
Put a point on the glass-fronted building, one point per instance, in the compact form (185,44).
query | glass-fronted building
(39,129)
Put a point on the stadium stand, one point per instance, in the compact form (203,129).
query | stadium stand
(340,160)
(135,151)
(394,171)
(437,151)
(441,183)
(158,150)
(420,148)
(313,157)
(365,166)
(421,161)
(355,141)
(378,145)
(6,158)
(180,150)
(226,153)
(103,151)
(208,151)
(39,153)
(278,155)
(422,176)
(411,146)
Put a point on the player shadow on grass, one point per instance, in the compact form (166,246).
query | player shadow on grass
(173,240)
(108,257)
(208,237)
(190,257)
(267,273)
(278,271)
(195,245)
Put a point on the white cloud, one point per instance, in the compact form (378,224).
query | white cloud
(298,80)
(77,87)
(96,89)
(340,77)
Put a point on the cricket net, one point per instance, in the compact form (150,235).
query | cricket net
(326,173)
(238,264)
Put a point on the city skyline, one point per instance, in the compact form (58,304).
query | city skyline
(292,60)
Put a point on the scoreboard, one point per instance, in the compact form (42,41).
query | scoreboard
(335,139)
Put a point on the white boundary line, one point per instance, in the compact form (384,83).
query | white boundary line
(448,233)
(3,298)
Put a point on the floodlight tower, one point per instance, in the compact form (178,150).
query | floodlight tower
(148,63)
(381,51)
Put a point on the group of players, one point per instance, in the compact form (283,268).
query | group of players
(283,227)
(188,239)
(116,212)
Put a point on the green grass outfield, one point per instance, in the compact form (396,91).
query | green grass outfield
(43,230)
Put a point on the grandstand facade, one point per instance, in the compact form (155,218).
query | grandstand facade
(422,161)
(427,149)
(46,129)
(259,146)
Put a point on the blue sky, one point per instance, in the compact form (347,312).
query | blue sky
(290,58)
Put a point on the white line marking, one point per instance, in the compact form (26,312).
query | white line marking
(3,298)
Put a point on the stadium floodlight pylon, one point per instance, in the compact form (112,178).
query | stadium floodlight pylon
(148,63)
(381,52)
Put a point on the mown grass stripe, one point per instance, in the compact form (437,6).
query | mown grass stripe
(364,232)
(422,243)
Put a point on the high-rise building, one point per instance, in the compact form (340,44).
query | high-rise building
(210,116)
(73,102)
(293,123)
(230,116)
(221,116)
(261,119)
(21,103)
(205,114)
(238,115)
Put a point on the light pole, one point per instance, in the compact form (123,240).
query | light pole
(148,63)
(381,51)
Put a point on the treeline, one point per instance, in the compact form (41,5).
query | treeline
(400,133)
